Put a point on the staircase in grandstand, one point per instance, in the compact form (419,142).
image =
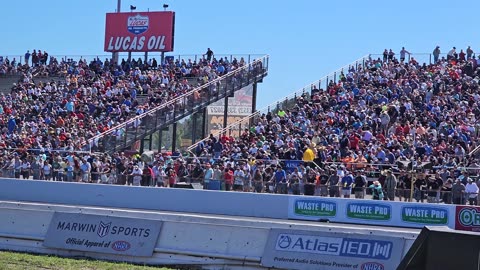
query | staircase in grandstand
(126,134)
(286,102)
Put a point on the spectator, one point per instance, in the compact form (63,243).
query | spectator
(436,54)
(471,189)
(469,53)
(377,191)
(390,185)
(360,184)
(458,190)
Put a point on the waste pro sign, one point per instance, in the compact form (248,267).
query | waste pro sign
(139,32)
(95,233)
(295,249)
(398,214)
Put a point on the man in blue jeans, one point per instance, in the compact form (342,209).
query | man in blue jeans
(280,181)
(347,182)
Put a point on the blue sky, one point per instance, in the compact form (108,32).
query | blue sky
(305,39)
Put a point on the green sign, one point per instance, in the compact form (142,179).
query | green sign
(315,208)
(369,211)
(425,215)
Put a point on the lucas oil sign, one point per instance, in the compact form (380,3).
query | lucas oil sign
(139,32)
(95,233)
(294,249)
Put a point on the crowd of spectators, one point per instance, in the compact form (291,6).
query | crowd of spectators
(417,120)
(89,98)
(386,128)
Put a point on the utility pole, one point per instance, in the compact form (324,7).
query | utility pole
(115,54)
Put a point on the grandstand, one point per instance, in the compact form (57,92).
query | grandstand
(377,128)
(365,118)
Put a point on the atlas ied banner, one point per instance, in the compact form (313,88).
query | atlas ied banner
(305,250)
(139,32)
(104,234)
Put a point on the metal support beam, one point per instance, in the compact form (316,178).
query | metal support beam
(254,101)
(115,54)
(146,57)
(129,56)
(174,136)
(204,122)
(150,142)
(225,112)
(142,145)
(160,135)
(194,127)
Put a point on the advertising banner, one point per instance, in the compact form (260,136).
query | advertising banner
(370,212)
(467,218)
(296,249)
(139,32)
(239,106)
(104,234)
(290,165)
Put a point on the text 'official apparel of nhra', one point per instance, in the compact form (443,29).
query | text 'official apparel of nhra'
(95,233)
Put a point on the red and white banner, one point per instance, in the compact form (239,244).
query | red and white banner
(139,31)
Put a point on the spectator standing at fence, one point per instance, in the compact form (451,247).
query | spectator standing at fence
(137,175)
(346,185)
(471,189)
(280,178)
(360,184)
(447,191)
(432,190)
(461,56)
(436,54)
(420,186)
(228,176)
(457,192)
(333,182)
(469,53)
(209,54)
(208,176)
(452,54)
(171,175)
(377,191)
(403,53)
(390,185)
(27,57)
(391,55)
(258,181)
(238,178)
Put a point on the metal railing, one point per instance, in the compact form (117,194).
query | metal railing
(247,121)
(248,58)
(161,116)
(421,58)
(410,192)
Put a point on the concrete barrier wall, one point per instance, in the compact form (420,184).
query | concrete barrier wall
(178,200)
(210,241)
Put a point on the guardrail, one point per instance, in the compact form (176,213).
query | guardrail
(325,80)
(175,109)
(195,240)
(90,57)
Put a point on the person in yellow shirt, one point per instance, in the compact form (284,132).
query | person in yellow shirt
(308,154)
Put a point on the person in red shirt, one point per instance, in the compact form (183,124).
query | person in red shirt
(228,176)
(354,140)
(380,137)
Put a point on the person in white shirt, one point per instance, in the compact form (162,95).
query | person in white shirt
(137,175)
(472,192)
(238,177)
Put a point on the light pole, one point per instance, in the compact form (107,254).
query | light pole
(115,54)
